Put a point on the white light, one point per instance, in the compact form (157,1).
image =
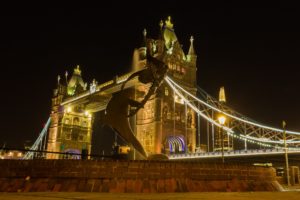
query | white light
(222,120)
(229,115)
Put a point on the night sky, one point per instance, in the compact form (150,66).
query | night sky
(253,52)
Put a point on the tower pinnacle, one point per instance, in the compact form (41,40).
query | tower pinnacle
(161,24)
(222,97)
(191,50)
(168,23)
(77,70)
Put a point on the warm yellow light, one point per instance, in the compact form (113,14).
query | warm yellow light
(86,113)
(222,120)
(179,100)
(69,109)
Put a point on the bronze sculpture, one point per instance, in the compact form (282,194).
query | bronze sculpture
(119,108)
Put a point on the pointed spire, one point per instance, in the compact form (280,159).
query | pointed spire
(145,38)
(66,76)
(58,79)
(168,23)
(77,70)
(161,25)
(222,97)
(191,50)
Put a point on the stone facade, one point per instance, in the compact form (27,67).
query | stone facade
(71,127)
(166,125)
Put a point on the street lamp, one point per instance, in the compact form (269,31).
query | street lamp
(286,153)
(222,120)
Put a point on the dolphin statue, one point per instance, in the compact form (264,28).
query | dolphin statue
(119,108)
(117,117)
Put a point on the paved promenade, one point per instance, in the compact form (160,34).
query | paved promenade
(292,195)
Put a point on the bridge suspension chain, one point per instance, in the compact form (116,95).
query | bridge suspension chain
(262,134)
(40,141)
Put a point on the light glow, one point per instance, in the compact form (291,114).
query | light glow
(222,119)
(69,109)
(229,115)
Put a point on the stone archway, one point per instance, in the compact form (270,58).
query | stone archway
(174,144)
(70,154)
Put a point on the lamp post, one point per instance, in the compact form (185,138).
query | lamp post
(286,154)
(222,120)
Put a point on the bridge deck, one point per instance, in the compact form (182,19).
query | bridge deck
(238,153)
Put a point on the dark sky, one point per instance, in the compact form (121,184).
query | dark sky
(253,52)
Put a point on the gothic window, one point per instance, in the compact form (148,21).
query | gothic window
(84,123)
(165,113)
(152,112)
(183,70)
(67,121)
(166,91)
(68,136)
(169,115)
(177,116)
(76,121)
(182,116)
(189,119)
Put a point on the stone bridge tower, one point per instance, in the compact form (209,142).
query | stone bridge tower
(71,126)
(165,124)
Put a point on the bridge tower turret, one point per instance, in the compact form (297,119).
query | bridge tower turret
(71,125)
(166,124)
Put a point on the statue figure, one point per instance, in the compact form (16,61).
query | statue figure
(121,106)
(154,73)
(117,117)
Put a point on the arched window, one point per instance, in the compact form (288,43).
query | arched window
(76,121)
(67,121)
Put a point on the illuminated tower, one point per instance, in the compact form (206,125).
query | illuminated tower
(166,124)
(71,125)
(227,140)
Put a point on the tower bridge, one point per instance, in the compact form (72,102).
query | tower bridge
(179,120)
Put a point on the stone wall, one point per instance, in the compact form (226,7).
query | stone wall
(132,176)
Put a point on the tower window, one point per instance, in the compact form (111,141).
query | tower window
(76,121)
(166,91)
(183,70)
(68,136)
(67,121)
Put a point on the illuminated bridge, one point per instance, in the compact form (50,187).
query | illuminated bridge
(270,139)
(181,120)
